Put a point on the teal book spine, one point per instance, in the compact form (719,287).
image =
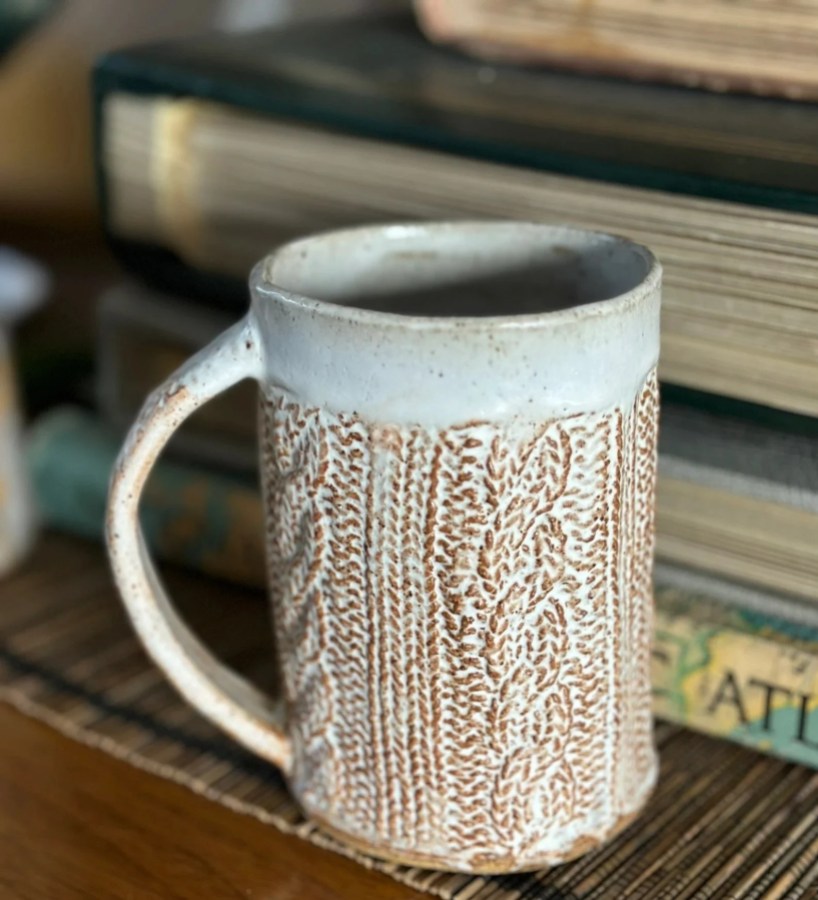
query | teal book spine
(192,516)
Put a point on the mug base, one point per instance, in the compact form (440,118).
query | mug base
(498,865)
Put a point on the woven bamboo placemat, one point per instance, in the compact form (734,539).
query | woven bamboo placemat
(723,823)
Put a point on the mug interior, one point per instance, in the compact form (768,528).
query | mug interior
(467,269)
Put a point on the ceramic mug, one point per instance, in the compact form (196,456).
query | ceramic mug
(458,452)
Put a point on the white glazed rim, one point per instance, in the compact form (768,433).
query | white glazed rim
(262,285)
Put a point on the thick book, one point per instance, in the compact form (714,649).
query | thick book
(212,151)
(737,496)
(729,660)
(738,663)
(766,48)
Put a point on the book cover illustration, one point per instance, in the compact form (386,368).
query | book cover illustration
(739,675)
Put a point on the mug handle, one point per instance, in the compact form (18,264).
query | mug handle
(233,704)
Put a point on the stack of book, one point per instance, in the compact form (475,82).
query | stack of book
(212,151)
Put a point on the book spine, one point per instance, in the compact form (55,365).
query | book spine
(749,682)
(201,519)
(747,677)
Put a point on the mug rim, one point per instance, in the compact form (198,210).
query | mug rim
(262,285)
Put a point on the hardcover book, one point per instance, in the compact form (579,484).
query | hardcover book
(212,151)
(736,662)
(767,48)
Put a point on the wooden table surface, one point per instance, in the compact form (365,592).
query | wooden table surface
(77,823)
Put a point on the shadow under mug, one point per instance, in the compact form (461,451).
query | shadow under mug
(458,453)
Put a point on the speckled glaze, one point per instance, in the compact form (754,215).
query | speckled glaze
(460,536)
